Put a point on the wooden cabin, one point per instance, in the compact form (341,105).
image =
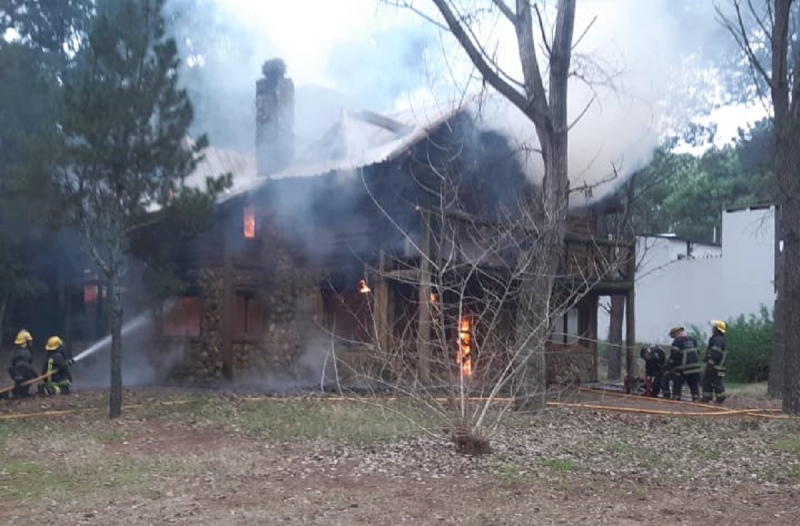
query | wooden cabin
(389,250)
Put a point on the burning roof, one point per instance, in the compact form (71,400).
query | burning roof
(357,140)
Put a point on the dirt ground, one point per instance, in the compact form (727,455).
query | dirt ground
(216,459)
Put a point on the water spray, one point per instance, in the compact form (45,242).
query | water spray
(133,324)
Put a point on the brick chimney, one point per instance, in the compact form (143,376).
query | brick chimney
(274,118)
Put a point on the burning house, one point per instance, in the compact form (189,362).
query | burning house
(388,250)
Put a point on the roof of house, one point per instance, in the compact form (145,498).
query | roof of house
(357,140)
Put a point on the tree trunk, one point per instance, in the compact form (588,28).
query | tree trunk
(614,344)
(790,213)
(115,312)
(534,315)
(2,316)
(776,369)
(788,164)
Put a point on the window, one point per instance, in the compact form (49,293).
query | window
(89,293)
(183,319)
(250,314)
(249,222)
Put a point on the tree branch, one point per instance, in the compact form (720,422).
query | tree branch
(507,12)
(560,61)
(779,84)
(584,32)
(532,74)
(545,43)
(739,33)
(478,59)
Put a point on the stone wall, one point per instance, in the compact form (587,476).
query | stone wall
(290,349)
(570,365)
(202,359)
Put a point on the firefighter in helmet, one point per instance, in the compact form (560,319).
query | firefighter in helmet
(21,365)
(56,366)
(685,363)
(655,360)
(713,388)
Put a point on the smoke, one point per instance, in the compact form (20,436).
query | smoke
(644,70)
(344,54)
(142,362)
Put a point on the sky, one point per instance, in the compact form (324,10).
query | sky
(384,58)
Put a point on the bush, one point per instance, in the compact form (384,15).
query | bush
(750,346)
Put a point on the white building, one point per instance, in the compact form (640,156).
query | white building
(684,283)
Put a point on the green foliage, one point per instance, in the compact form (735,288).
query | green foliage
(125,122)
(749,346)
(749,340)
(686,194)
(48,25)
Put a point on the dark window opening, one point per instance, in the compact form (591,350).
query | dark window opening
(250,314)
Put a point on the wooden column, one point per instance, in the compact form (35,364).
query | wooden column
(587,328)
(227,305)
(630,315)
(424,314)
(381,306)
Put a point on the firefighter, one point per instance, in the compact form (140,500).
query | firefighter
(57,367)
(684,362)
(654,361)
(21,367)
(713,388)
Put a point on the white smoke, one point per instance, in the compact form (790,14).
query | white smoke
(641,71)
(644,62)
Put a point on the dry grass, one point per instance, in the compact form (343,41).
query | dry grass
(236,461)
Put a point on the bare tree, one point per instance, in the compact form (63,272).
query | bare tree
(541,95)
(772,26)
(450,342)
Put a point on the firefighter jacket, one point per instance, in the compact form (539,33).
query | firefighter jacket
(21,368)
(716,353)
(57,364)
(654,360)
(684,357)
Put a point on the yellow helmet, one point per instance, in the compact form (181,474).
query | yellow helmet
(53,343)
(23,337)
(720,325)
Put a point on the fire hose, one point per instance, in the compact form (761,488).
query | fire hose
(710,412)
(27,383)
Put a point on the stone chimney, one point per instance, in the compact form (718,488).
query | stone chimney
(274,118)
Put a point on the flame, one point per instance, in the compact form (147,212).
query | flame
(249,222)
(363,288)
(464,355)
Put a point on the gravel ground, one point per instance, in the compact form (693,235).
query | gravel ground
(181,466)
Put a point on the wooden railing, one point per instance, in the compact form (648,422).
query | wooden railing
(596,259)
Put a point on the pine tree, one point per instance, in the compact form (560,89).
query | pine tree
(124,126)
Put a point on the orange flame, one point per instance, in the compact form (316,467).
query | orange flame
(363,288)
(464,356)
(249,222)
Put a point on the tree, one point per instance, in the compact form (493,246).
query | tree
(543,100)
(124,125)
(771,25)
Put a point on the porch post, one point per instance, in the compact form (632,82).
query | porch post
(381,306)
(227,307)
(424,315)
(630,314)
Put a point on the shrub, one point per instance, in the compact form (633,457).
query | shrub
(750,346)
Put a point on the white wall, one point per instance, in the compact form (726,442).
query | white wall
(714,283)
